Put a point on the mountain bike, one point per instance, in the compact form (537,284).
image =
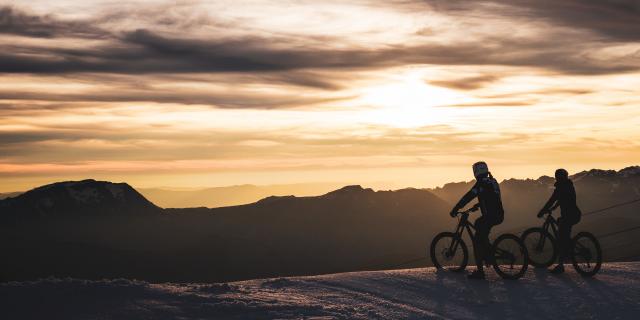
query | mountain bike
(586,255)
(507,255)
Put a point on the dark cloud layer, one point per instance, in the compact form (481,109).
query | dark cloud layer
(275,60)
(147,51)
(143,51)
(615,20)
(618,20)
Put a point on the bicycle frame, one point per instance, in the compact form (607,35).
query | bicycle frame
(551,223)
(463,224)
(551,226)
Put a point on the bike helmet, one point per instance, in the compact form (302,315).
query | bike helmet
(480,168)
(562,174)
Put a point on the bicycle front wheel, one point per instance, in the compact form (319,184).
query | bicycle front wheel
(541,247)
(586,254)
(449,252)
(510,258)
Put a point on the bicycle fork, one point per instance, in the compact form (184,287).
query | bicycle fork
(541,241)
(456,241)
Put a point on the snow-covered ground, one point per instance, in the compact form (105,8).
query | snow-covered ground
(398,294)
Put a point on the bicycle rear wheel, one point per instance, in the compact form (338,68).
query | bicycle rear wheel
(541,247)
(510,258)
(586,254)
(449,252)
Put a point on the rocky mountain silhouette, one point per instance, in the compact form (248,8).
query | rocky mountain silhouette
(77,198)
(92,229)
(352,228)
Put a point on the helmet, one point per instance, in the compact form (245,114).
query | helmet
(480,168)
(562,174)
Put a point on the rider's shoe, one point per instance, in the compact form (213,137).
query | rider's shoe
(489,260)
(476,275)
(558,269)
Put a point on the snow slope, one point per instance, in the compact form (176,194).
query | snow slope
(398,294)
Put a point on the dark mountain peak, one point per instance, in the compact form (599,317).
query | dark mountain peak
(630,171)
(349,191)
(456,184)
(594,173)
(78,198)
(543,181)
(546,180)
(274,199)
(409,191)
(85,190)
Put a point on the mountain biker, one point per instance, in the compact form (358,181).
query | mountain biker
(487,190)
(564,196)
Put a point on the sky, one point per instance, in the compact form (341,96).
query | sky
(386,94)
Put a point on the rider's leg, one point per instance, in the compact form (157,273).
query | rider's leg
(564,233)
(481,241)
(564,243)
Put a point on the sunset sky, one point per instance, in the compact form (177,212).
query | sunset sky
(379,93)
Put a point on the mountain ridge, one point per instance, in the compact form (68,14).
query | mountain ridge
(77,198)
(348,229)
(547,181)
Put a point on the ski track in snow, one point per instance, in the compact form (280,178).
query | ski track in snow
(398,294)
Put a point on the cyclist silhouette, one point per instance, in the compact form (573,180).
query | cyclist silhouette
(564,196)
(487,190)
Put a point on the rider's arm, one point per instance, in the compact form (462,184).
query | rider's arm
(470,195)
(552,200)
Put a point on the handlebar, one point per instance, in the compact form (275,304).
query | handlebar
(547,212)
(472,209)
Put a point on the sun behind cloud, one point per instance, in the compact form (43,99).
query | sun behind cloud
(407,100)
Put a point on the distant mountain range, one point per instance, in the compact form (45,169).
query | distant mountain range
(231,195)
(9,195)
(97,229)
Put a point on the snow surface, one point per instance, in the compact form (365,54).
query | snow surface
(399,294)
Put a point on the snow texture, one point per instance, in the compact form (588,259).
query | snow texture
(399,294)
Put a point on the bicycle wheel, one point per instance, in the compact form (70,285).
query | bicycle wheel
(449,252)
(541,247)
(586,254)
(510,258)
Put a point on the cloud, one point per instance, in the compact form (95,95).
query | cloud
(217,99)
(613,20)
(143,51)
(466,83)
(150,50)
(108,142)
(511,103)
(543,92)
(616,20)
(17,22)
